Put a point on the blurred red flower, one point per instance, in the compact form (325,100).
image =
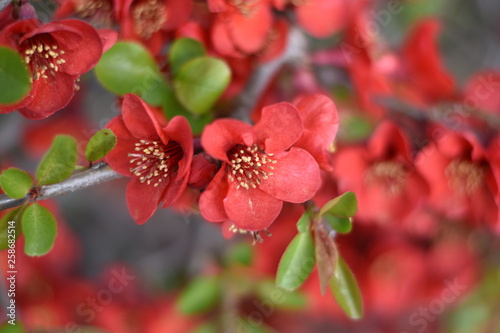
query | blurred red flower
(382,175)
(156,154)
(57,53)
(461,179)
(259,169)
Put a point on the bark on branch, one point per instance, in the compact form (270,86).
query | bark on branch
(99,173)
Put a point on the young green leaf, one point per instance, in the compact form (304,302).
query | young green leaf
(268,293)
(345,205)
(210,327)
(10,225)
(14,76)
(296,263)
(59,162)
(16,183)
(342,225)
(241,253)
(183,50)
(326,256)
(128,67)
(200,82)
(40,229)
(100,144)
(304,221)
(201,295)
(346,290)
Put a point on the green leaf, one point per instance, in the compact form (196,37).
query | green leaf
(296,263)
(201,295)
(14,77)
(16,328)
(241,253)
(182,51)
(200,82)
(346,291)
(268,293)
(326,256)
(342,225)
(40,229)
(9,220)
(59,162)
(128,67)
(172,107)
(100,144)
(16,183)
(345,205)
(304,221)
(206,328)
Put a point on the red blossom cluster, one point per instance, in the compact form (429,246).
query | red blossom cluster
(425,168)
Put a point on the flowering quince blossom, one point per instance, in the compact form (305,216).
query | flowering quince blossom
(463,184)
(382,175)
(260,168)
(148,21)
(156,154)
(56,53)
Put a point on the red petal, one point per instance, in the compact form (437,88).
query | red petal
(178,130)
(388,141)
(178,13)
(321,18)
(51,95)
(250,32)
(221,40)
(173,191)
(140,120)
(296,177)
(118,158)
(211,200)
(143,199)
(422,57)
(220,136)
(83,56)
(279,127)
(216,6)
(251,209)
(108,38)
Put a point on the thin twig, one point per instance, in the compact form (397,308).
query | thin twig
(294,52)
(97,174)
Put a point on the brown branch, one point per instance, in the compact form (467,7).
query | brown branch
(97,174)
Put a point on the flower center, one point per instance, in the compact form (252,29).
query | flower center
(249,165)
(153,160)
(102,9)
(149,17)
(245,7)
(390,174)
(464,176)
(256,237)
(43,56)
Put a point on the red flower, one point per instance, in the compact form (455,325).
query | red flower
(322,18)
(462,179)
(259,169)
(57,53)
(241,26)
(149,20)
(423,66)
(382,175)
(155,154)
